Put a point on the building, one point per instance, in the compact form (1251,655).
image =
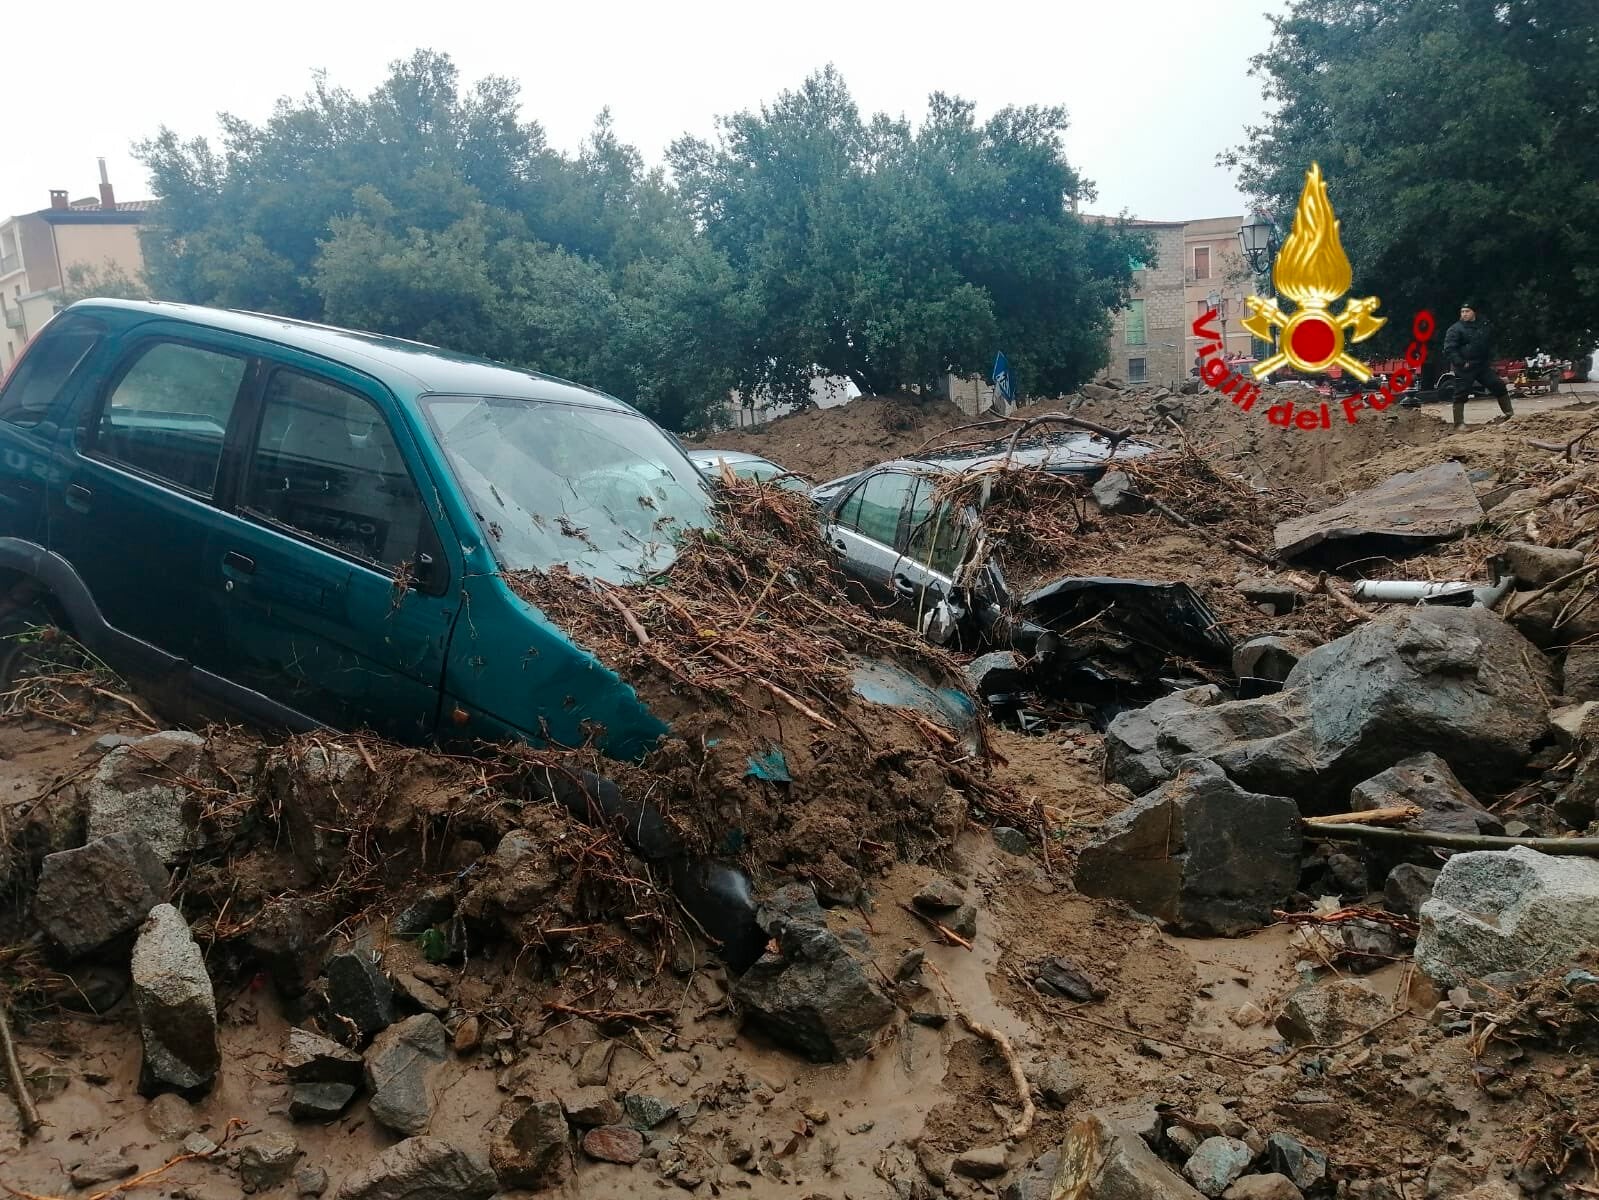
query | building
(1148,338)
(38,251)
(1216,276)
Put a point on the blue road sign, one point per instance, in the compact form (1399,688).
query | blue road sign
(1004,382)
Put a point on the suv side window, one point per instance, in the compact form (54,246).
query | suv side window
(873,511)
(326,465)
(168,413)
(46,367)
(938,534)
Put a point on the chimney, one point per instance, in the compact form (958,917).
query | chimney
(108,198)
(57,199)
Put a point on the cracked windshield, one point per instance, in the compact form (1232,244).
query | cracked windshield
(600,492)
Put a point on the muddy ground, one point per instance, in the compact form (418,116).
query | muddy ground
(1181,1022)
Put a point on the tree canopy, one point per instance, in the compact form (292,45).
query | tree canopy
(1460,140)
(805,238)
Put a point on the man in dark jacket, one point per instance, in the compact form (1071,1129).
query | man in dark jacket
(1469,348)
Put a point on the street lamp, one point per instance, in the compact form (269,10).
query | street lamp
(1257,238)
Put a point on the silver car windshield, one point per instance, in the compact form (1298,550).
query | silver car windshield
(601,492)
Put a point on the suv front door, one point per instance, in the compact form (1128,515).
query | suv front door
(866,531)
(317,561)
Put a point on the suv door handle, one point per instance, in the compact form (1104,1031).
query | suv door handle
(78,497)
(840,546)
(904,586)
(238,562)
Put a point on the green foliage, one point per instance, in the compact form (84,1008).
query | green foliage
(107,282)
(1461,146)
(808,238)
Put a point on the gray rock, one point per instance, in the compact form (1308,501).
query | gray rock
(1200,853)
(1183,1140)
(997,673)
(420,997)
(591,1106)
(359,993)
(1537,565)
(1495,910)
(310,1182)
(1567,721)
(267,1159)
(910,965)
(1321,1014)
(1263,743)
(964,921)
(1304,1166)
(310,1058)
(793,903)
(982,1162)
(289,939)
(527,1145)
(812,995)
(1035,1180)
(1131,757)
(171,1118)
(1283,597)
(1057,1083)
(1426,781)
(1407,888)
(1116,493)
(110,741)
(421,1168)
(137,789)
(198,1143)
(176,1007)
(1449,1177)
(1097,391)
(89,897)
(1061,977)
(1270,655)
(1581,674)
(1263,1187)
(1100,1161)
(321,1102)
(1012,841)
(107,1168)
(594,1065)
(397,1067)
(646,1112)
(1218,1161)
(938,895)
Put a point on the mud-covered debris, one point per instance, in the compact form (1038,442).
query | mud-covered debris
(1216,1163)
(397,1069)
(176,1007)
(939,895)
(1326,1013)
(1276,595)
(1199,853)
(1408,887)
(267,1160)
(1408,509)
(982,1162)
(170,1117)
(527,1144)
(106,1168)
(89,897)
(1426,781)
(360,996)
(421,1168)
(614,1144)
(1102,1160)
(1507,910)
(1056,976)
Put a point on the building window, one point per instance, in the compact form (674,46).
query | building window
(1137,370)
(1201,262)
(1135,323)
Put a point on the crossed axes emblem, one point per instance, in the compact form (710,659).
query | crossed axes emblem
(1355,324)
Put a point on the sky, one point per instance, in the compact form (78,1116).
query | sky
(1154,89)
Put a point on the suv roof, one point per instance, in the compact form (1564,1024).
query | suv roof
(407,368)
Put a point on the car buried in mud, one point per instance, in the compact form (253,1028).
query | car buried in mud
(910,535)
(746,466)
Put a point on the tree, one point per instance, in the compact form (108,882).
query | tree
(107,282)
(892,254)
(1461,145)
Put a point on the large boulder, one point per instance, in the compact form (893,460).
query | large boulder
(1426,781)
(1200,853)
(1101,1160)
(1456,681)
(1323,1014)
(148,787)
(1507,910)
(1262,743)
(811,994)
(176,1007)
(397,1067)
(1130,751)
(1580,679)
(421,1168)
(89,897)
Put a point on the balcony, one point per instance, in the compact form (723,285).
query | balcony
(10,263)
(14,317)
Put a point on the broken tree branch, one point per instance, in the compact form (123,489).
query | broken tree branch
(15,1079)
(1023,1124)
(1172,514)
(1586,847)
(1520,603)
(1326,587)
(1396,815)
(944,930)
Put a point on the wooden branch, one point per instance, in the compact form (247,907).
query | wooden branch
(632,621)
(606,1016)
(1581,847)
(1396,815)
(15,1079)
(1522,603)
(1170,513)
(948,934)
(1023,1124)
(1326,587)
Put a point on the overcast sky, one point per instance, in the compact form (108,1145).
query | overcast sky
(1155,89)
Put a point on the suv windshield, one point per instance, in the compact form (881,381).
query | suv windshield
(601,492)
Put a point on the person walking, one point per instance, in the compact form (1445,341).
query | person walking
(1469,348)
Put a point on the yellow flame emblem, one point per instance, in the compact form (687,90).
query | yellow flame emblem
(1313,271)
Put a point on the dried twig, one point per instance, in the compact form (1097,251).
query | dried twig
(607,1016)
(944,930)
(1023,1124)
(1582,847)
(1396,815)
(14,1078)
(1327,587)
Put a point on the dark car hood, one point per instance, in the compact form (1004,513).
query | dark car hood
(1151,621)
